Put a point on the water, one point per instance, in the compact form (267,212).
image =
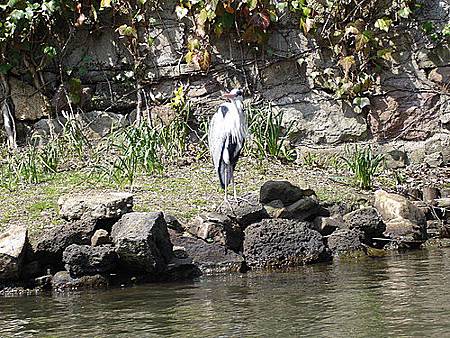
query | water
(404,295)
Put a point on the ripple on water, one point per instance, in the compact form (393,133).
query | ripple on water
(399,296)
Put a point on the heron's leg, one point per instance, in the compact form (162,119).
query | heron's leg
(226,195)
(234,188)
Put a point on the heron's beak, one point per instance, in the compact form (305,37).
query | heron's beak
(228,96)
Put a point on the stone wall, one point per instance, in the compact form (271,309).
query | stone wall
(411,103)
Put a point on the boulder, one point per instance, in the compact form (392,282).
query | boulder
(173,223)
(28,102)
(13,247)
(367,220)
(392,206)
(284,191)
(109,205)
(44,282)
(280,243)
(245,211)
(142,242)
(51,244)
(306,208)
(217,228)
(100,237)
(101,123)
(210,258)
(83,260)
(326,225)
(347,243)
(63,280)
(405,230)
(396,158)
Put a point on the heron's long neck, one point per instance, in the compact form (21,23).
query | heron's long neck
(242,119)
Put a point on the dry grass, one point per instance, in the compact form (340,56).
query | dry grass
(183,191)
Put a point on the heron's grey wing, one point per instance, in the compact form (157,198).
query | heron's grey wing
(217,135)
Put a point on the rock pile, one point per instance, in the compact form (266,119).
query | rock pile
(104,242)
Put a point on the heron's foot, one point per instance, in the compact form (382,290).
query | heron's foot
(241,199)
(226,204)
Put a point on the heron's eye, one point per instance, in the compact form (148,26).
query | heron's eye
(239,93)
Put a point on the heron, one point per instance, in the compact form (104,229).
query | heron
(226,137)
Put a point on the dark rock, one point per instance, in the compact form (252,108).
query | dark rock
(31,270)
(245,211)
(326,225)
(83,260)
(282,243)
(337,209)
(348,243)
(306,208)
(367,220)
(218,228)
(44,282)
(173,223)
(142,242)
(62,280)
(283,191)
(210,258)
(51,245)
(100,237)
(13,247)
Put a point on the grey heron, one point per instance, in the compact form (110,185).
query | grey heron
(226,137)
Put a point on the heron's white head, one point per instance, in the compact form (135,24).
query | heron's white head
(235,94)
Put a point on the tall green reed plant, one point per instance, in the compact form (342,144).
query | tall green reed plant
(364,164)
(269,136)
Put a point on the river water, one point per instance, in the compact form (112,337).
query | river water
(404,295)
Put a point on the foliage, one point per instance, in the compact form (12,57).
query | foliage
(268,136)
(362,36)
(364,164)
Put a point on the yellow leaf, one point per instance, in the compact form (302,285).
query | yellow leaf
(351,30)
(105,3)
(188,57)
(361,41)
(346,63)
(193,44)
(202,17)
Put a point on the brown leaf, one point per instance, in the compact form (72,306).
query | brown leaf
(205,60)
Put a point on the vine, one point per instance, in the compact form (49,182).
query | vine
(358,34)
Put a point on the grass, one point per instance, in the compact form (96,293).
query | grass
(183,191)
(364,164)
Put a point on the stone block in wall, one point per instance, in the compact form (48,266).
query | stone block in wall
(167,46)
(325,121)
(283,72)
(94,51)
(287,42)
(410,115)
(28,102)
(115,97)
(438,147)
